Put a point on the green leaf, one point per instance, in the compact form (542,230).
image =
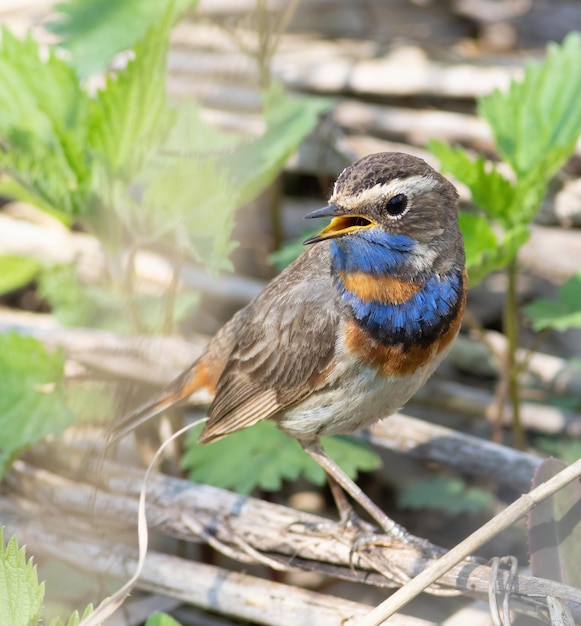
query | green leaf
(161,619)
(43,120)
(487,251)
(254,165)
(130,116)
(290,251)
(263,456)
(16,272)
(92,401)
(480,241)
(560,314)
(31,395)
(20,593)
(491,191)
(75,619)
(190,204)
(351,454)
(568,450)
(537,122)
(93,31)
(191,135)
(190,208)
(555,529)
(446,494)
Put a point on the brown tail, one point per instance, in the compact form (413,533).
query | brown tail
(182,387)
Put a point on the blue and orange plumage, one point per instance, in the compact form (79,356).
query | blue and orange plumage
(347,333)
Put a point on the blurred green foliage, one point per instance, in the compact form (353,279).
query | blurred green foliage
(445,494)
(263,456)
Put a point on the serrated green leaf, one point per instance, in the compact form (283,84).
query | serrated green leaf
(537,121)
(190,207)
(554,529)
(190,204)
(351,454)
(130,116)
(16,272)
(446,494)
(479,240)
(161,619)
(31,395)
(75,619)
(254,165)
(192,135)
(490,190)
(482,256)
(93,31)
(20,593)
(560,314)
(43,114)
(263,456)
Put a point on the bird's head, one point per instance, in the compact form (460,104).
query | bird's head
(393,212)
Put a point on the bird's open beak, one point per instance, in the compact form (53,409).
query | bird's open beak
(341,224)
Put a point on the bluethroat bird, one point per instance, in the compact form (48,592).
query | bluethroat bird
(347,333)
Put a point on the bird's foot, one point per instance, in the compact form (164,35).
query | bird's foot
(349,522)
(397,537)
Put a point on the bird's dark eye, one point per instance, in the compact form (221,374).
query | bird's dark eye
(396,205)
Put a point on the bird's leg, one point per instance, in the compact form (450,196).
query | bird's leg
(340,481)
(347,515)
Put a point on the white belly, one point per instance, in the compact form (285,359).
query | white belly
(356,397)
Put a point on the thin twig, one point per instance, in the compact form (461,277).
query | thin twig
(497,524)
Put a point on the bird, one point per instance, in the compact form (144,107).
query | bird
(347,333)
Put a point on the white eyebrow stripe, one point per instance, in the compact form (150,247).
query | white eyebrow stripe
(409,186)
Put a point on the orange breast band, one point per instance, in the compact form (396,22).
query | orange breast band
(384,289)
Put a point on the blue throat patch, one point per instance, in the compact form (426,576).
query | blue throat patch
(422,318)
(371,254)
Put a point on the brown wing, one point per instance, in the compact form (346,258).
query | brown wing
(285,339)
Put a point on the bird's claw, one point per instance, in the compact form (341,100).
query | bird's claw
(398,538)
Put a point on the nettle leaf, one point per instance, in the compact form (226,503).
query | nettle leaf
(353,455)
(93,31)
(31,395)
(20,593)
(43,114)
(554,529)
(190,207)
(443,493)
(490,190)
(37,90)
(508,245)
(202,175)
(75,619)
(192,136)
(479,240)
(560,314)
(486,249)
(17,272)
(263,456)
(254,165)
(537,122)
(130,116)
